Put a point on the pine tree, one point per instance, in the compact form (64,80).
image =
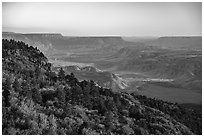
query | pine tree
(109,116)
(16,86)
(37,72)
(72,75)
(6,91)
(36,95)
(61,94)
(26,89)
(61,74)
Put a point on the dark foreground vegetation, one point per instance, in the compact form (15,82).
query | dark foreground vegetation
(36,100)
(191,117)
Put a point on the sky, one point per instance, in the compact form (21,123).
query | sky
(116,18)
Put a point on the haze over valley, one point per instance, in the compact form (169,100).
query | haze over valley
(171,71)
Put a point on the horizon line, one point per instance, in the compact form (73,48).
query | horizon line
(58,33)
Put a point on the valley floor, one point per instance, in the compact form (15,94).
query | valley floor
(148,86)
(172,94)
(143,82)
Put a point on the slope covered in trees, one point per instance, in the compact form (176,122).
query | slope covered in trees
(36,100)
(191,117)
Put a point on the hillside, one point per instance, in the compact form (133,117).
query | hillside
(188,43)
(140,38)
(36,100)
(49,42)
(183,66)
(102,78)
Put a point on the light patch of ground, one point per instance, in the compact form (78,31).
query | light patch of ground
(57,63)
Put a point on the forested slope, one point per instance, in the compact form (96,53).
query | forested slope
(36,100)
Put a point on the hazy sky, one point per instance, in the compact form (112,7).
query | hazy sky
(125,19)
